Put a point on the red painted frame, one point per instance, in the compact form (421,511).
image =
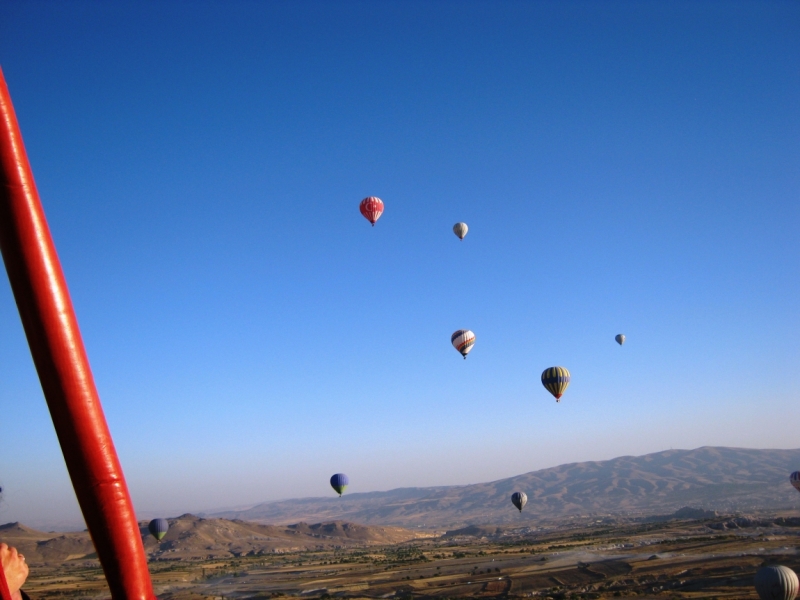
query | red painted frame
(5,593)
(55,341)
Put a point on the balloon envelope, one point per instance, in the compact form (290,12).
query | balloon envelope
(519,499)
(371,208)
(463,340)
(776,583)
(339,482)
(620,337)
(795,479)
(158,528)
(460,229)
(555,380)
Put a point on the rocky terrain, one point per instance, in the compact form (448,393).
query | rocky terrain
(709,557)
(722,479)
(195,538)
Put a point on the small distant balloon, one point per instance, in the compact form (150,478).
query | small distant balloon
(620,337)
(463,340)
(776,582)
(339,482)
(460,229)
(519,499)
(555,380)
(795,480)
(372,209)
(158,528)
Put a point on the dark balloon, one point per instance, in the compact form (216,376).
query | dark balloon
(620,338)
(519,499)
(555,380)
(158,528)
(776,583)
(339,482)
(794,478)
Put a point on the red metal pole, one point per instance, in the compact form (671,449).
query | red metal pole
(5,593)
(60,358)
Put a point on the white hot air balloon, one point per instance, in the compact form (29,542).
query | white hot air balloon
(460,229)
(776,583)
(463,340)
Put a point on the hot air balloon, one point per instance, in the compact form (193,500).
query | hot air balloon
(519,499)
(158,528)
(460,229)
(556,380)
(371,208)
(620,337)
(339,482)
(776,583)
(463,340)
(795,479)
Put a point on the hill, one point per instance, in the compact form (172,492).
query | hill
(194,538)
(722,479)
(42,548)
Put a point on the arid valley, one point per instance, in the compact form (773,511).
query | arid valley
(744,514)
(677,558)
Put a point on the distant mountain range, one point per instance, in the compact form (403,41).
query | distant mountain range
(722,479)
(650,487)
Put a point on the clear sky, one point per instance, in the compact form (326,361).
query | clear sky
(623,167)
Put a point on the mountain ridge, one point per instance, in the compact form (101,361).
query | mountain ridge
(713,478)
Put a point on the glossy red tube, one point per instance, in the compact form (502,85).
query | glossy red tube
(55,341)
(5,593)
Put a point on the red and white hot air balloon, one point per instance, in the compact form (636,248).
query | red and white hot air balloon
(371,208)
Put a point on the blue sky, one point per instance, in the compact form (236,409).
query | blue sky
(623,167)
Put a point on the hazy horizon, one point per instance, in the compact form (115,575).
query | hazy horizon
(623,167)
(75,522)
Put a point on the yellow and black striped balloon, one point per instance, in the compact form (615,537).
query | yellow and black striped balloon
(556,380)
